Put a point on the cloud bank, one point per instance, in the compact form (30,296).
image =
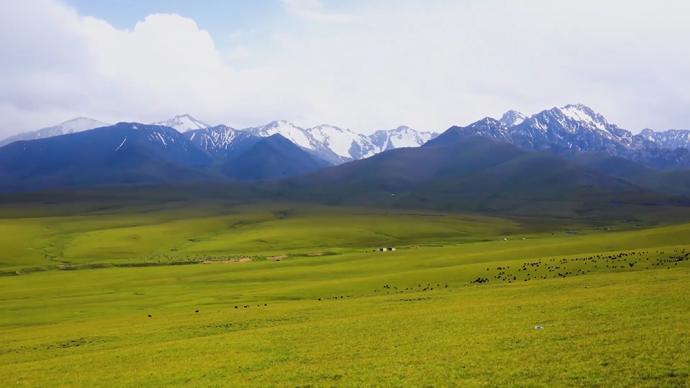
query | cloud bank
(364,65)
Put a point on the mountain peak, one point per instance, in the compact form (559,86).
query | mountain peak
(578,106)
(582,113)
(512,118)
(82,122)
(77,124)
(183,122)
(279,123)
(486,121)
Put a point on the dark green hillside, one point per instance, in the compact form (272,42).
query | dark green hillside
(473,173)
(122,154)
(671,181)
(274,157)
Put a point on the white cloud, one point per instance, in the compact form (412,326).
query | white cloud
(313,10)
(427,64)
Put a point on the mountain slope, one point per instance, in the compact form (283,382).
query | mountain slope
(78,124)
(671,182)
(473,173)
(124,153)
(221,142)
(486,127)
(270,158)
(670,139)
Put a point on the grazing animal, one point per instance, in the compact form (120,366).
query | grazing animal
(149,315)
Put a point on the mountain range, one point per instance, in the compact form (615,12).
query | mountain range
(568,154)
(328,142)
(333,144)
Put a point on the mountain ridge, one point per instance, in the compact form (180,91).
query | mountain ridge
(78,124)
(577,128)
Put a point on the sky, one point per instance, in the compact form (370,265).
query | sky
(363,65)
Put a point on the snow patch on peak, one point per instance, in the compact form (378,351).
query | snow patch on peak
(402,136)
(512,118)
(288,130)
(486,121)
(340,141)
(80,124)
(75,125)
(580,112)
(183,122)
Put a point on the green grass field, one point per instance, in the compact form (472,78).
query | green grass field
(295,295)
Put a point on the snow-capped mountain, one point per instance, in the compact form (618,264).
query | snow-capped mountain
(337,145)
(572,129)
(124,153)
(298,135)
(399,137)
(163,141)
(328,142)
(670,139)
(78,124)
(221,142)
(183,122)
(512,118)
(486,127)
(345,143)
(288,130)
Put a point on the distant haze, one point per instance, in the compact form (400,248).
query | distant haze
(363,65)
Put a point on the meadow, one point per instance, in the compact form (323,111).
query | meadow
(220,293)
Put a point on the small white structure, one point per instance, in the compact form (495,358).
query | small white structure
(386,249)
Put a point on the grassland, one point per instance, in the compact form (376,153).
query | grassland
(294,295)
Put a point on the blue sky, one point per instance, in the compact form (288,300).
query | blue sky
(364,65)
(221,18)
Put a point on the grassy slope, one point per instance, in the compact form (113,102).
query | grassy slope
(47,236)
(173,232)
(672,182)
(627,328)
(620,320)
